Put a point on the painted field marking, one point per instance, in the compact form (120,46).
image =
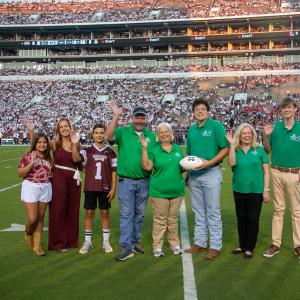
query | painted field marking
(10,187)
(18,227)
(11,151)
(9,159)
(189,284)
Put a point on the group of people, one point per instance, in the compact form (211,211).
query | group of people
(148,168)
(84,110)
(113,11)
(79,70)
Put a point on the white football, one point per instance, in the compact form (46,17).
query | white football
(190,162)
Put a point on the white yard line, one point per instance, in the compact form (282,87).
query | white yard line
(10,187)
(189,284)
(10,151)
(9,159)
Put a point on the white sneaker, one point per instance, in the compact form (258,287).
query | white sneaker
(85,247)
(176,250)
(107,247)
(158,253)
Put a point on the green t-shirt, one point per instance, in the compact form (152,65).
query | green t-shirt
(166,180)
(206,141)
(130,151)
(285,145)
(248,175)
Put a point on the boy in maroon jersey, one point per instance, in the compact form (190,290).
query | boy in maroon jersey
(100,185)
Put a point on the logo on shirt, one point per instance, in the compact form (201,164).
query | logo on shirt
(295,138)
(42,162)
(177,154)
(97,157)
(207,133)
(254,152)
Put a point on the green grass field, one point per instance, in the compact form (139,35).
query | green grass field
(98,276)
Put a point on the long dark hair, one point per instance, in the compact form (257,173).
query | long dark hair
(47,153)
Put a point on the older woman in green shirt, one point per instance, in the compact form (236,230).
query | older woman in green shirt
(167,187)
(250,182)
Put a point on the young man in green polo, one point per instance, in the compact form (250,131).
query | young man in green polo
(283,139)
(133,182)
(207,140)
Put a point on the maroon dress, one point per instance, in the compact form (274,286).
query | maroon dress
(64,207)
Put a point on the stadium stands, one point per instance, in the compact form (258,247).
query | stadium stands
(84,98)
(77,99)
(132,10)
(79,70)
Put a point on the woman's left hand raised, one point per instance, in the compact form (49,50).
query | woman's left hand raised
(75,138)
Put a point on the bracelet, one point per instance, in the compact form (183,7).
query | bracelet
(267,189)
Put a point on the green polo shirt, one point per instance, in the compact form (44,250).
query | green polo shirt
(285,145)
(248,174)
(130,151)
(166,180)
(206,141)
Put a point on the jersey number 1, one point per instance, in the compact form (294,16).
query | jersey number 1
(98,171)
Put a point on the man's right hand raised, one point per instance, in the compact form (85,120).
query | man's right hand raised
(116,110)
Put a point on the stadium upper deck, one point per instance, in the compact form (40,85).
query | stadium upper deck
(202,37)
(44,12)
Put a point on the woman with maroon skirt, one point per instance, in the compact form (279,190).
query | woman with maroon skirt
(66,187)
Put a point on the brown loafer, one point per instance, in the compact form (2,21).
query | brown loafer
(212,254)
(194,249)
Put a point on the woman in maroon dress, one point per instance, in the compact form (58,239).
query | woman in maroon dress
(64,208)
(66,186)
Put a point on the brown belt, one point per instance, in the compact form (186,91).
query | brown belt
(287,170)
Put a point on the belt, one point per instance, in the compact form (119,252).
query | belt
(133,178)
(286,170)
(76,176)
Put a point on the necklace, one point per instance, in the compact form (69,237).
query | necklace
(67,146)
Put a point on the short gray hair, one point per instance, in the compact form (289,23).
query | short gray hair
(169,128)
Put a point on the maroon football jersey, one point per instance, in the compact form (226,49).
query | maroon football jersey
(100,163)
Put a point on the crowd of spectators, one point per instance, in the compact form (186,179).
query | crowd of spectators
(78,100)
(107,11)
(295,5)
(132,10)
(79,70)
(246,7)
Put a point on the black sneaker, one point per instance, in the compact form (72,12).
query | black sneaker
(138,249)
(124,254)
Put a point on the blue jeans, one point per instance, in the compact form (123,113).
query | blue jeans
(205,190)
(133,196)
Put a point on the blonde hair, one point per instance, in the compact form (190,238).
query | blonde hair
(169,127)
(57,135)
(238,132)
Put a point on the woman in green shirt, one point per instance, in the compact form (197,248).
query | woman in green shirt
(250,182)
(167,187)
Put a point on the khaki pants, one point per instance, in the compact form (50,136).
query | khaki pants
(285,184)
(165,218)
